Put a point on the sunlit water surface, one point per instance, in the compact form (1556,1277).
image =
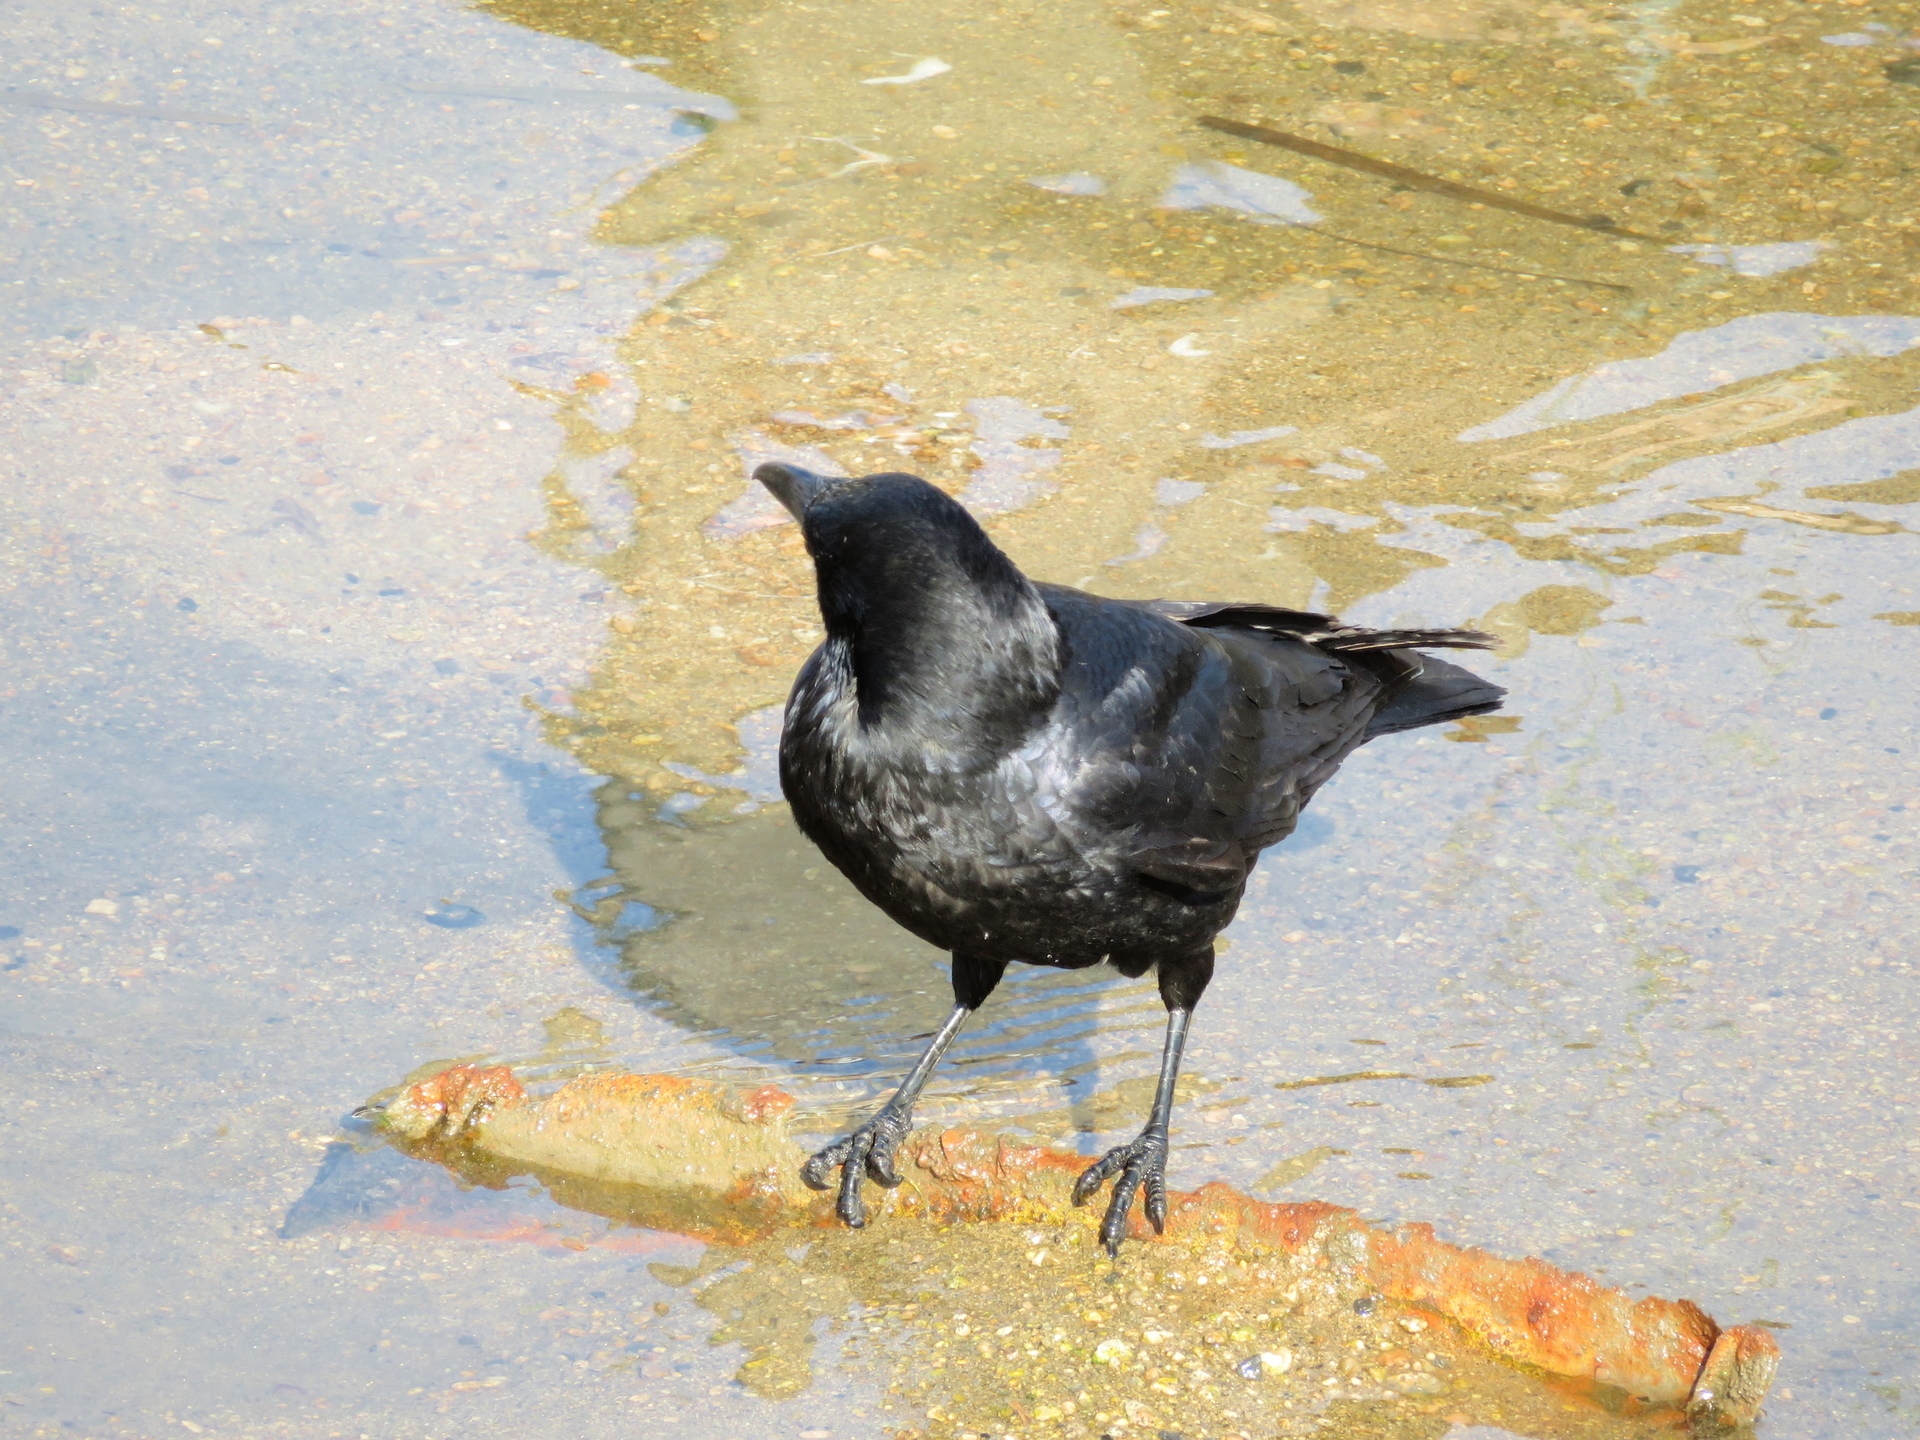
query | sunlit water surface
(392,633)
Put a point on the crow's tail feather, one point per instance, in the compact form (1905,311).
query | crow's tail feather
(1359,639)
(1439,693)
(1325,631)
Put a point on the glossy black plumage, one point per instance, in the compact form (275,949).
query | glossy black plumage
(1026,772)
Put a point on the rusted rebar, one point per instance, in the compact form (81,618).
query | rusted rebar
(718,1163)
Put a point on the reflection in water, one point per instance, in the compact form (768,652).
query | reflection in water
(729,950)
(751,938)
(377,222)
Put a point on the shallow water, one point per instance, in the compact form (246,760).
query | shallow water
(392,631)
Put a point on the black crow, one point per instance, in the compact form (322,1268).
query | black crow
(1018,771)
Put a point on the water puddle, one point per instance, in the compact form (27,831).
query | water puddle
(398,641)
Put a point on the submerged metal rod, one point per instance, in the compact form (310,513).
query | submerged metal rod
(672,1153)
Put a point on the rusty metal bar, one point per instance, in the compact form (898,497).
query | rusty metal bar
(706,1160)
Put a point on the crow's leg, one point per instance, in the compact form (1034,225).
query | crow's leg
(868,1151)
(1143,1161)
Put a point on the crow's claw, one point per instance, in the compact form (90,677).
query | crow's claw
(867,1152)
(1141,1162)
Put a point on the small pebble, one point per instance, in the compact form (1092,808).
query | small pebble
(449,916)
(1267,1362)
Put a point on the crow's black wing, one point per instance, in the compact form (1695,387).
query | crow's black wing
(1200,745)
(1304,710)
(1174,752)
(1287,662)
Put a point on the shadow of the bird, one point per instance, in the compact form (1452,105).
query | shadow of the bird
(756,942)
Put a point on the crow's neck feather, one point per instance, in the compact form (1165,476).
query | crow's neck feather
(947,648)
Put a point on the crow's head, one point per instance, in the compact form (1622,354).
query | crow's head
(871,510)
(891,545)
(909,580)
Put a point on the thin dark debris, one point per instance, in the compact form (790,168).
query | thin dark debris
(1469,264)
(1418,180)
(1351,1076)
(110,107)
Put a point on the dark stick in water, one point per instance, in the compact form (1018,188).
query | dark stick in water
(1387,170)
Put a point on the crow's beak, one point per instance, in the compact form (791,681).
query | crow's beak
(791,486)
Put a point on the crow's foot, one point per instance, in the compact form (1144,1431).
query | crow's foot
(868,1151)
(1141,1162)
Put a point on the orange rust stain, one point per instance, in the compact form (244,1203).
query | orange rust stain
(766,1103)
(1294,1225)
(584,1094)
(423,1221)
(1559,1320)
(455,1094)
